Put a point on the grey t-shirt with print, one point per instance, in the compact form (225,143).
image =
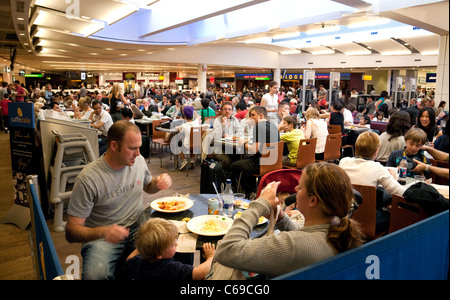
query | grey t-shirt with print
(105,196)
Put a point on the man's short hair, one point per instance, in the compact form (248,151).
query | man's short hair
(259,110)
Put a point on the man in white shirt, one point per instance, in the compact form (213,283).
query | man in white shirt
(102,121)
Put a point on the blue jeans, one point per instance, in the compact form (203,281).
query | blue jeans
(100,258)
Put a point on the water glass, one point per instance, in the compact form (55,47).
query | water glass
(419,178)
(238,197)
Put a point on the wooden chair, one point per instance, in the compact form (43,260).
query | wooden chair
(366,214)
(306,154)
(404,213)
(158,138)
(333,129)
(271,160)
(438,179)
(332,150)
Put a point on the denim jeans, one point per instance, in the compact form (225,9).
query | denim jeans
(100,258)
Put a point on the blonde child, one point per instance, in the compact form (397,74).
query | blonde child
(156,244)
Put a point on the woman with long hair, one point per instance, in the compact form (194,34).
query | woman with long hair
(324,197)
(426,120)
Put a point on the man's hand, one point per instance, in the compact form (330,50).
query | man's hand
(163,181)
(115,233)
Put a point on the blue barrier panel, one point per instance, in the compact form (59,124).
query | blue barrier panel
(416,252)
(47,260)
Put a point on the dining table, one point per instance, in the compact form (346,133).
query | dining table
(200,208)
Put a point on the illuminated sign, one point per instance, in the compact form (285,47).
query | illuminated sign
(367,77)
(34,75)
(431,77)
(254,76)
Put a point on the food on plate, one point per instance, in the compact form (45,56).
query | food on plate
(213,226)
(260,220)
(186,219)
(172,205)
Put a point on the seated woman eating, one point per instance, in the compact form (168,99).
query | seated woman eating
(324,197)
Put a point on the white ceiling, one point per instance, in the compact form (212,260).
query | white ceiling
(177,35)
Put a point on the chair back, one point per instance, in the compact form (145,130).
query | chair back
(195,139)
(333,147)
(155,133)
(333,129)
(289,179)
(404,213)
(380,126)
(441,164)
(366,214)
(271,158)
(306,152)
(210,120)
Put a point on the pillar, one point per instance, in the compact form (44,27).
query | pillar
(441,92)
(201,85)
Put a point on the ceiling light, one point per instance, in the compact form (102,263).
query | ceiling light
(288,52)
(432,52)
(400,52)
(371,23)
(20,19)
(324,29)
(323,52)
(362,52)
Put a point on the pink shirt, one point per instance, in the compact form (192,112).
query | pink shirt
(20,90)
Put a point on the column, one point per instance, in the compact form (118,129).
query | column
(277,76)
(201,85)
(441,92)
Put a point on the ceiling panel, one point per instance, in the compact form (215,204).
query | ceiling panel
(386,46)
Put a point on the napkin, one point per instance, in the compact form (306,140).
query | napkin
(187,241)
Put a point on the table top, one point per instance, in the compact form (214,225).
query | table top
(357,129)
(200,208)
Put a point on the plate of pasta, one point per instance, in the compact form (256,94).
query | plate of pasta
(172,204)
(210,225)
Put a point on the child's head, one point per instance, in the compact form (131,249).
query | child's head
(364,120)
(379,115)
(156,239)
(415,138)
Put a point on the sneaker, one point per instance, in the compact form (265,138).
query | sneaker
(192,165)
(184,163)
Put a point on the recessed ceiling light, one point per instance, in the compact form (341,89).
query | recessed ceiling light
(20,19)
(123,54)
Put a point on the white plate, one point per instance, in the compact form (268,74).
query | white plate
(196,225)
(262,220)
(189,204)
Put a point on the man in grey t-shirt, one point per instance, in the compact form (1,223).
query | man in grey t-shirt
(106,201)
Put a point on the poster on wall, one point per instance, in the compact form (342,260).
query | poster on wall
(25,159)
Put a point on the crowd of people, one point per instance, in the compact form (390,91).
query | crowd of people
(105,206)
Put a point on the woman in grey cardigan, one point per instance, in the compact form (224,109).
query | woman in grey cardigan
(324,197)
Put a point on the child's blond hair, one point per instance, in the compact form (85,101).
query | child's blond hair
(154,237)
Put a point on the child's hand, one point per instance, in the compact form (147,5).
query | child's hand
(208,250)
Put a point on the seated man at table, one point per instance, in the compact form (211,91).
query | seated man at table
(107,202)
(264,132)
(102,121)
(226,126)
(156,245)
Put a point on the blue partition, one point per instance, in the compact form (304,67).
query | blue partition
(46,259)
(416,252)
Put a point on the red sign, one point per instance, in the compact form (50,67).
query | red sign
(212,79)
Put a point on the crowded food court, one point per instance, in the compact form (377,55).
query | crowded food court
(259,141)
